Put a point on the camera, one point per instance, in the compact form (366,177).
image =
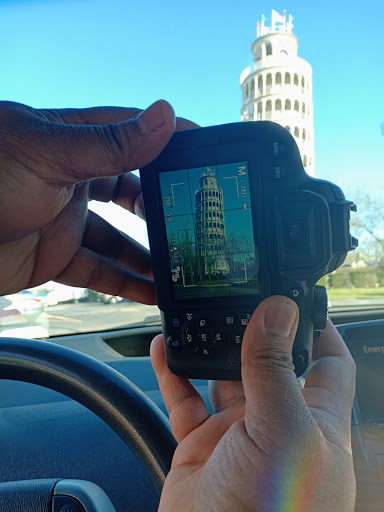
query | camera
(233,218)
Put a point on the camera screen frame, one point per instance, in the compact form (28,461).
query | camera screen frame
(200,157)
(207,212)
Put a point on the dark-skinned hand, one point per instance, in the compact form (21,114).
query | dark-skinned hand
(52,162)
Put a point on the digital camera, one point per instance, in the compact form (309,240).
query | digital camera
(233,218)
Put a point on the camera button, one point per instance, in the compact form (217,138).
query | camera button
(190,336)
(230,319)
(217,338)
(236,338)
(175,321)
(204,351)
(174,343)
(204,338)
(245,318)
(296,293)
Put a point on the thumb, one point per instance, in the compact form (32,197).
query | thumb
(271,389)
(79,152)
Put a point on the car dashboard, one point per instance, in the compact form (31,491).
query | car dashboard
(45,434)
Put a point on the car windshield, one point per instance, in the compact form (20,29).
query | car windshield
(315,70)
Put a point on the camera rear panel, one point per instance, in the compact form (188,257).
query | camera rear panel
(232,219)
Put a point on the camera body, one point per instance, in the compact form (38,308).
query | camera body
(233,218)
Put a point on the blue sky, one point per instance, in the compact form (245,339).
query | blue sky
(73,53)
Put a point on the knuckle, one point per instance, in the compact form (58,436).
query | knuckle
(270,358)
(112,138)
(121,141)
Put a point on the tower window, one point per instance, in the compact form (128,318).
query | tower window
(269,82)
(288,128)
(252,89)
(296,79)
(305,161)
(246,91)
(304,134)
(278,78)
(287,78)
(303,109)
(297,132)
(268,49)
(268,109)
(296,106)
(278,105)
(287,104)
(302,82)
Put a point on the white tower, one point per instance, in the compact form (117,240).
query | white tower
(278,86)
(210,224)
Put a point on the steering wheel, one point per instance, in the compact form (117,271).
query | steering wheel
(117,401)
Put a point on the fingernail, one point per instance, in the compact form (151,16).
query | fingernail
(153,118)
(280,318)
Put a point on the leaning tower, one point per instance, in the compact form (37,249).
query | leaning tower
(278,85)
(210,224)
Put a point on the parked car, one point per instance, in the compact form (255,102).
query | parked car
(110,299)
(22,315)
(46,297)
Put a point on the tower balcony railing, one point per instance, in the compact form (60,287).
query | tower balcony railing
(273,114)
(290,89)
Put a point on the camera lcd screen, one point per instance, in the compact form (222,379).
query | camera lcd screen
(210,236)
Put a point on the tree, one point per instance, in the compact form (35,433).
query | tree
(368,225)
(241,246)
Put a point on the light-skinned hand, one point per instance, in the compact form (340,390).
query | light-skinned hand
(271,446)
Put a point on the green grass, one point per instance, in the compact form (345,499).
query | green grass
(355,293)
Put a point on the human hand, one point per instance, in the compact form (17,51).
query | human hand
(48,162)
(270,446)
